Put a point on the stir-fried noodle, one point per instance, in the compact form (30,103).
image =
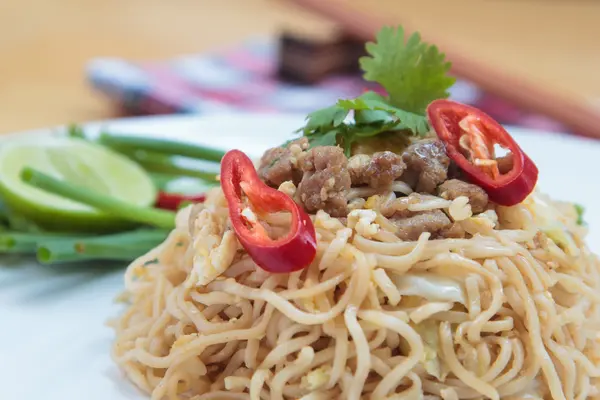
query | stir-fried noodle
(511,312)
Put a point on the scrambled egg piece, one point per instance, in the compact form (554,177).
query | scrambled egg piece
(480,223)
(140,271)
(373,202)
(460,209)
(325,221)
(316,378)
(288,188)
(213,247)
(362,221)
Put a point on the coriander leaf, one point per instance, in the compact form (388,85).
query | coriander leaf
(413,73)
(364,131)
(580,210)
(361,102)
(371,95)
(326,139)
(372,101)
(329,117)
(367,116)
(372,116)
(347,142)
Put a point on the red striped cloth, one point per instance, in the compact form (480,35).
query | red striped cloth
(243,79)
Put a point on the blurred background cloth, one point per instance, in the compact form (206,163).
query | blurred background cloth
(244,78)
(46,45)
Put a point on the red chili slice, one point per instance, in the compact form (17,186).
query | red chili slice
(172,201)
(469,136)
(294,251)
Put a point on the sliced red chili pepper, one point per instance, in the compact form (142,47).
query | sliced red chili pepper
(469,136)
(172,201)
(294,251)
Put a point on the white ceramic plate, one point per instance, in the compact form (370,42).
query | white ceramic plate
(53,342)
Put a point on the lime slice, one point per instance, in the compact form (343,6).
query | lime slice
(79,162)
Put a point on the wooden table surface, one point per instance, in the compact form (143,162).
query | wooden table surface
(45,45)
(554,42)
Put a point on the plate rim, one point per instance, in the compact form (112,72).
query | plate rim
(200,118)
(100,379)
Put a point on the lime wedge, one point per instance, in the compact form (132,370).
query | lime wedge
(79,162)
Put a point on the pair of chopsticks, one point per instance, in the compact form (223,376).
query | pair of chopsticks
(574,113)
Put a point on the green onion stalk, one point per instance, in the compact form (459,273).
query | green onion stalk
(124,246)
(150,216)
(163,146)
(160,163)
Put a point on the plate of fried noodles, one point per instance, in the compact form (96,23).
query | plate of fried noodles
(392,248)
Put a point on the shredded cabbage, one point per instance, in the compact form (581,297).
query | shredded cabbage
(551,221)
(429,286)
(433,288)
(429,332)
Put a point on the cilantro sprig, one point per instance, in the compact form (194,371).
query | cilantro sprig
(413,73)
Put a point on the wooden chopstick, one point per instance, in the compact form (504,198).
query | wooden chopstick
(572,112)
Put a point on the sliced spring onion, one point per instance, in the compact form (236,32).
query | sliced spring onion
(151,216)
